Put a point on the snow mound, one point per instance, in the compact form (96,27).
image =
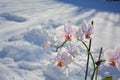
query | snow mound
(7,73)
(29,66)
(36,36)
(52,73)
(21,52)
(13,17)
(9,62)
(15,38)
(50,24)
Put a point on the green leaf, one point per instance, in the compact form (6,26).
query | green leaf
(107,78)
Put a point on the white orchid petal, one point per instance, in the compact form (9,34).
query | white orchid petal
(107,63)
(108,54)
(90,29)
(68,60)
(84,26)
(68,27)
(64,55)
(117,52)
(118,66)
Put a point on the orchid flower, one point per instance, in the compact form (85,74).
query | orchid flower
(63,58)
(68,31)
(112,57)
(65,32)
(85,32)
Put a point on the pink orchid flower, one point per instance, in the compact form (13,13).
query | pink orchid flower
(65,32)
(112,57)
(63,58)
(68,31)
(85,32)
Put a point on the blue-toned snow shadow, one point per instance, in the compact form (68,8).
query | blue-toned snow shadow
(13,17)
(99,5)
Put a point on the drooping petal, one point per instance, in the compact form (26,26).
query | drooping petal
(68,60)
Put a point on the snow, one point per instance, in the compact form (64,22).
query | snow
(12,17)
(27,25)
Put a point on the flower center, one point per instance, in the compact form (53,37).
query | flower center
(112,63)
(87,35)
(68,37)
(60,63)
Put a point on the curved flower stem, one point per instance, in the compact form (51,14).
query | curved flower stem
(98,64)
(86,73)
(61,45)
(94,72)
(89,53)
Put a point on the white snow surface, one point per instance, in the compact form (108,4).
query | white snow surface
(25,26)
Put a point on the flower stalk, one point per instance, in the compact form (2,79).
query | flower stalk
(61,45)
(98,64)
(99,59)
(86,73)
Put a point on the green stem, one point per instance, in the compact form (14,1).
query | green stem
(88,49)
(61,45)
(96,69)
(99,59)
(86,73)
(89,52)
(94,72)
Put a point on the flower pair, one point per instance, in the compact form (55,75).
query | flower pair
(70,32)
(84,32)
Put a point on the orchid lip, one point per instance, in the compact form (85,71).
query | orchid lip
(68,37)
(60,64)
(112,63)
(87,35)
